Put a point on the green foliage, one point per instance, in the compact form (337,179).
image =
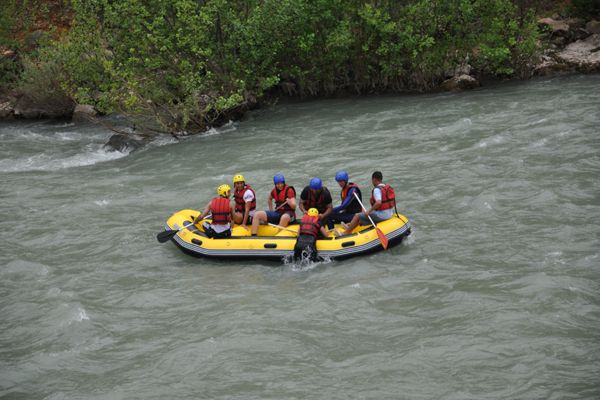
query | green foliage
(191,63)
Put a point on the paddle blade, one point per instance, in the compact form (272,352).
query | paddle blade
(166,236)
(382,238)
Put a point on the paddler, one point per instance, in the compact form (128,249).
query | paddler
(222,213)
(284,197)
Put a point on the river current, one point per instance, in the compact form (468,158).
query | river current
(495,295)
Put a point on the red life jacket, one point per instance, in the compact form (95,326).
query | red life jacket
(240,204)
(317,202)
(309,225)
(353,207)
(281,196)
(221,213)
(388,197)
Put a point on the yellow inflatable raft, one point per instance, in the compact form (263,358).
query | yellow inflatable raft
(276,243)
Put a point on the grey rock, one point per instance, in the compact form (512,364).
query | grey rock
(124,143)
(459,83)
(593,27)
(84,112)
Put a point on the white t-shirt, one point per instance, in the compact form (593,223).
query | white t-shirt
(383,214)
(248,197)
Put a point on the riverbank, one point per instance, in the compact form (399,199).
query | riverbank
(566,45)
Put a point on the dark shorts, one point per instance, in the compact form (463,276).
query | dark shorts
(337,218)
(306,247)
(273,217)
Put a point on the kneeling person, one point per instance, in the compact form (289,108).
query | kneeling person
(310,228)
(222,212)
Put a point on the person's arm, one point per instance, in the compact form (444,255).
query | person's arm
(303,199)
(329,208)
(203,214)
(326,213)
(291,201)
(377,204)
(246,212)
(324,231)
(270,201)
(248,197)
(345,203)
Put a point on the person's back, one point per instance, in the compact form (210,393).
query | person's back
(222,211)
(310,229)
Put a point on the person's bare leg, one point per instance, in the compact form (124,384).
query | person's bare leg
(256,220)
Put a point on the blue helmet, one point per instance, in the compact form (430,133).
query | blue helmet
(341,176)
(279,178)
(315,183)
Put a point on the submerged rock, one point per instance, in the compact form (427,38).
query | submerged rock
(125,143)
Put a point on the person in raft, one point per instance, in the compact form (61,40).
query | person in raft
(310,229)
(383,200)
(245,201)
(222,212)
(315,195)
(285,205)
(349,206)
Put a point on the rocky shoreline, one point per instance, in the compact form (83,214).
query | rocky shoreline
(570,45)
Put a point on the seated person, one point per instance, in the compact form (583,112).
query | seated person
(310,229)
(245,201)
(315,195)
(383,201)
(222,212)
(285,206)
(349,206)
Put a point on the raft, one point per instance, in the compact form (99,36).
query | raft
(273,242)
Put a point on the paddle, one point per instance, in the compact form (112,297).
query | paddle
(283,227)
(170,234)
(382,238)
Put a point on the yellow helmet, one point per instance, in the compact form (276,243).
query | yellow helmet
(313,212)
(238,178)
(223,190)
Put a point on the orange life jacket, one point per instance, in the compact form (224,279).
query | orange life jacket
(353,207)
(240,204)
(280,196)
(221,213)
(388,197)
(309,225)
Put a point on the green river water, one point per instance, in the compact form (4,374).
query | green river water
(495,295)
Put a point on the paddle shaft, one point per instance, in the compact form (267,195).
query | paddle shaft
(382,238)
(364,209)
(282,227)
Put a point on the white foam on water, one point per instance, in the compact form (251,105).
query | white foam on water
(102,202)
(46,162)
(228,127)
(494,140)
(81,315)
(356,285)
